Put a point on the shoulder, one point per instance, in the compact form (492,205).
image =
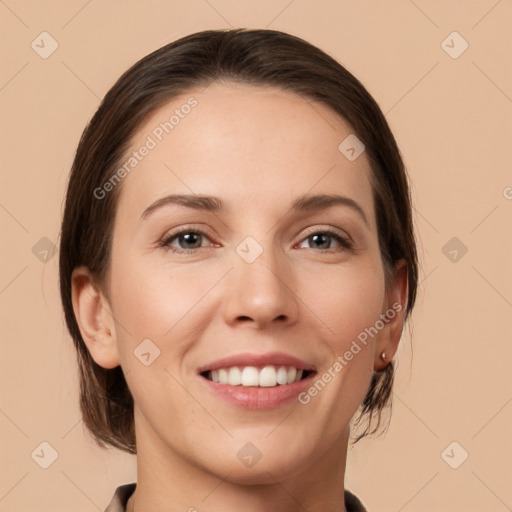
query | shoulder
(120,498)
(353,504)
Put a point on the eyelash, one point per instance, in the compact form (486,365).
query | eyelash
(343,240)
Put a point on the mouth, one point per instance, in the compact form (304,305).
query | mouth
(257,381)
(251,376)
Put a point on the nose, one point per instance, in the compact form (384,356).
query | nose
(261,293)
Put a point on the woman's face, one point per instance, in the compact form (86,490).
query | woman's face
(254,283)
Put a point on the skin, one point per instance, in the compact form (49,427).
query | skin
(257,149)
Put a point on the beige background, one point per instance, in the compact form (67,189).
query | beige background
(452,118)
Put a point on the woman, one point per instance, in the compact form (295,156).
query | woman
(237,262)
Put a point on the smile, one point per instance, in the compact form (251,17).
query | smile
(257,381)
(251,376)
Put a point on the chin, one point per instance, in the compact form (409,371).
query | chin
(263,472)
(256,461)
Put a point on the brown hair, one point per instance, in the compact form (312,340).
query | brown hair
(258,57)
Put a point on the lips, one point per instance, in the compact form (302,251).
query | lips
(257,381)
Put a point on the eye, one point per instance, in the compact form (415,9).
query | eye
(185,241)
(189,241)
(323,240)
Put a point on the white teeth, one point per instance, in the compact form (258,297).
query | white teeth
(282,375)
(234,376)
(292,373)
(250,376)
(269,376)
(223,376)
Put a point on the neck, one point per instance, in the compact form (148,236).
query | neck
(167,482)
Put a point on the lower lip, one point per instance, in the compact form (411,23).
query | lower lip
(253,397)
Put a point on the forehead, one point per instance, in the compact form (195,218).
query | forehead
(243,143)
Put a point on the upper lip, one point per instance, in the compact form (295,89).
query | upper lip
(259,360)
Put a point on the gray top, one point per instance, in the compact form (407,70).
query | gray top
(123,493)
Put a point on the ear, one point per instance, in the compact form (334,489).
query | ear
(393,316)
(93,314)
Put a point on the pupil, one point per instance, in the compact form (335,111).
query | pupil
(189,238)
(322,237)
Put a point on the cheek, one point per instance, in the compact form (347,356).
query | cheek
(162,302)
(347,299)
(348,304)
(156,303)
(151,298)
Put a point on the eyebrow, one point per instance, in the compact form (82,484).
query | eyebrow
(215,205)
